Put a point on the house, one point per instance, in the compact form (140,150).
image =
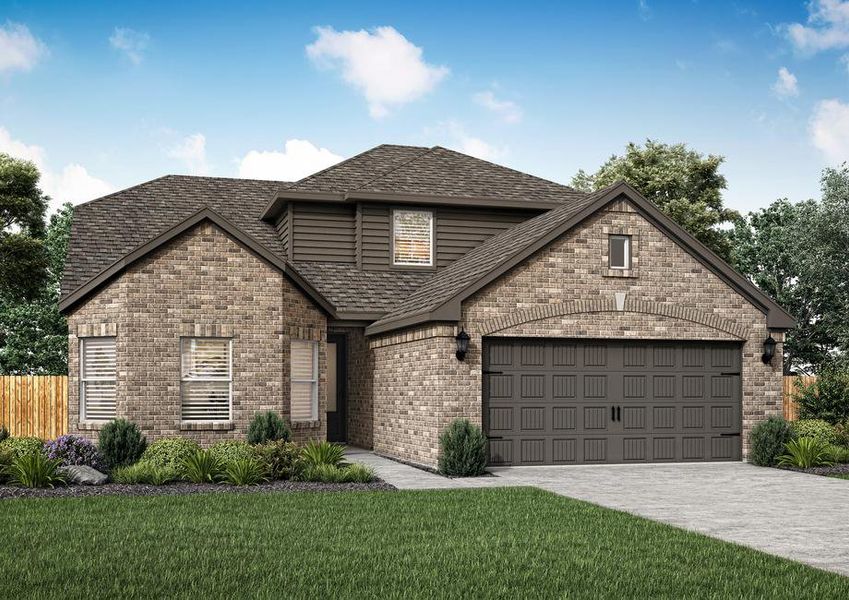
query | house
(375,301)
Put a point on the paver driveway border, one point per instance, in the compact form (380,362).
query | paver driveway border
(794,515)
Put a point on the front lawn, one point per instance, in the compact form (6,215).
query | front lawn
(508,543)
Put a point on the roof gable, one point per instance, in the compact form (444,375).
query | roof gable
(441,297)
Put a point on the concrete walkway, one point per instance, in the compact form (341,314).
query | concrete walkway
(794,515)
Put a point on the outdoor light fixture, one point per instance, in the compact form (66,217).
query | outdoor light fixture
(462,344)
(769,350)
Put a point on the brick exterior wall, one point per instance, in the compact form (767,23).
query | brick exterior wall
(359,415)
(566,290)
(202,283)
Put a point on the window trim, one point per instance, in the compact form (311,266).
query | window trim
(313,381)
(628,258)
(183,380)
(432,258)
(85,379)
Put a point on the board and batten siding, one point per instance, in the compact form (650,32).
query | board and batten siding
(458,230)
(282,227)
(324,232)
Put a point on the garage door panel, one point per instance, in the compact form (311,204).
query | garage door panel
(570,401)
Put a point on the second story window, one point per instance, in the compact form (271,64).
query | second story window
(412,238)
(620,252)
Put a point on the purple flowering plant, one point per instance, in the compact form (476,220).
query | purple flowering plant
(74,450)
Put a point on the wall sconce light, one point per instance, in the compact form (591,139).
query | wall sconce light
(769,350)
(462,344)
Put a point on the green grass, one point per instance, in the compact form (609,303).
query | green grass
(841,476)
(505,543)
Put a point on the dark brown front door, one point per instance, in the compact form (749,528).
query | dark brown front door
(553,401)
(336,388)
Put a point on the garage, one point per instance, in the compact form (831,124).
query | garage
(562,401)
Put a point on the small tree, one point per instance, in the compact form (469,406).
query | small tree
(827,398)
(121,443)
(267,427)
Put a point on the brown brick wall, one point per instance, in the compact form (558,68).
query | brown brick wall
(203,283)
(669,295)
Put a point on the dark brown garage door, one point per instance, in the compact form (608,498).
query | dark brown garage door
(602,401)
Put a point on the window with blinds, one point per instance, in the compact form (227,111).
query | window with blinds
(97,378)
(412,238)
(206,381)
(304,376)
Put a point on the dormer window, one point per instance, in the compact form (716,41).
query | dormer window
(412,238)
(620,252)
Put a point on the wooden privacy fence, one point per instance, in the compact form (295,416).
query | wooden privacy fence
(34,405)
(790,408)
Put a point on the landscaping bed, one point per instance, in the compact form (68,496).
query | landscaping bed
(841,471)
(183,488)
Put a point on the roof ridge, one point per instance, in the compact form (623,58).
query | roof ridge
(517,171)
(345,161)
(393,169)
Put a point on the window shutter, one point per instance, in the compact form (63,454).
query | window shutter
(98,378)
(206,380)
(304,376)
(413,238)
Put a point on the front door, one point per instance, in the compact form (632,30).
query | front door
(336,390)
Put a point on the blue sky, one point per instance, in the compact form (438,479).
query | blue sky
(106,95)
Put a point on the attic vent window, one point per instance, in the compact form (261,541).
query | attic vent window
(412,238)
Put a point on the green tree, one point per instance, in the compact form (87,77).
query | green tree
(23,259)
(33,334)
(683,183)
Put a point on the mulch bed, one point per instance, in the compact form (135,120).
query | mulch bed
(182,488)
(835,470)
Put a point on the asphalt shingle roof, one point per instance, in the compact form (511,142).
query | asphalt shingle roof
(107,229)
(481,260)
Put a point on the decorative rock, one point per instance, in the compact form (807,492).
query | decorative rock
(83,474)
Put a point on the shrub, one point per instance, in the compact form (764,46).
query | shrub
(322,473)
(170,452)
(4,433)
(35,470)
(121,443)
(322,453)
(462,450)
(827,398)
(357,473)
(267,427)
(74,450)
(201,467)
(244,471)
(767,441)
(838,454)
(805,453)
(282,459)
(22,446)
(814,428)
(6,459)
(229,450)
(144,473)
(841,430)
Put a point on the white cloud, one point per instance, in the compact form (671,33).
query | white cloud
(453,134)
(786,85)
(72,184)
(191,151)
(829,129)
(298,159)
(19,49)
(508,111)
(644,9)
(827,27)
(382,64)
(131,42)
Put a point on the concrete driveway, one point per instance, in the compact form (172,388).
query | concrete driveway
(797,516)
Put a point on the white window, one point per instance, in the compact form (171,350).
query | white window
(207,379)
(620,251)
(304,375)
(97,378)
(412,238)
